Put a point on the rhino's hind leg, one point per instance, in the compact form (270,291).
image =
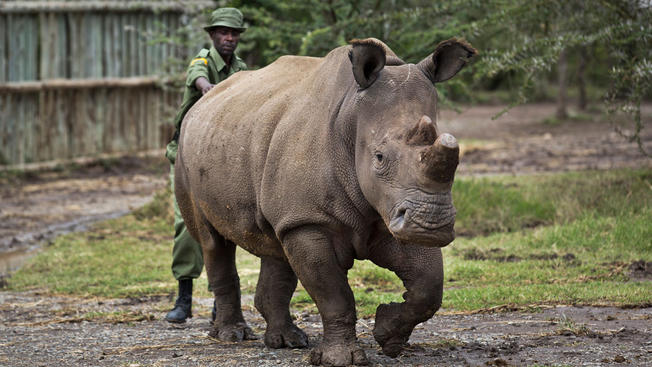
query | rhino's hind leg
(219,259)
(276,284)
(421,270)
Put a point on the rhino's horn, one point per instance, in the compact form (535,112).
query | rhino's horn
(423,133)
(440,159)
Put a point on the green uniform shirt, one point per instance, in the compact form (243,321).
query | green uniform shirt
(210,65)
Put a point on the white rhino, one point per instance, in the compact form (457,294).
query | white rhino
(310,163)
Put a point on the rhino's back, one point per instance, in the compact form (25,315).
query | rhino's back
(225,142)
(241,108)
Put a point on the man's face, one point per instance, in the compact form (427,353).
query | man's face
(225,40)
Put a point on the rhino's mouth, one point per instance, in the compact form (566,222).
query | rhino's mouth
(428,220)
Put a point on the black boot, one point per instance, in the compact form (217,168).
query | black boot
(182,307)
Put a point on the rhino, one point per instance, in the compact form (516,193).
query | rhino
(310,163)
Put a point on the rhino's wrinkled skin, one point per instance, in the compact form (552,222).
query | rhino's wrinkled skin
(310,163)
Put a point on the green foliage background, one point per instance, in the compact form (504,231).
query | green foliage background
(607,44)
(519,41)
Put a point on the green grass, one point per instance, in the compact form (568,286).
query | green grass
(525,241)
(117,258)
(508,204)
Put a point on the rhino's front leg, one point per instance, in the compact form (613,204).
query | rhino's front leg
(421,270)
(311,255)
(276,284)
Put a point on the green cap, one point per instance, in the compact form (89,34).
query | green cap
(226,17)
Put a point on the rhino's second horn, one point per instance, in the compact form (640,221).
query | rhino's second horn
(423,133)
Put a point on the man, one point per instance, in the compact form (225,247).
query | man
(208,68)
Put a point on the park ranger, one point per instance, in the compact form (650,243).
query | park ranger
(208,68)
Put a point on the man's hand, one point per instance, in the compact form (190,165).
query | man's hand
(203,85)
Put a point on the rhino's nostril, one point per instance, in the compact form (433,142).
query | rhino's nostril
(400,214)
(398,221)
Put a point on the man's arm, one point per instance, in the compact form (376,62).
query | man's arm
(202,84)
(197,73)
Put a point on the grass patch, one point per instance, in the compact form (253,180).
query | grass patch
(117,258)
(583,261)
(544,239)
(508,204)
(485,206)
(159,208)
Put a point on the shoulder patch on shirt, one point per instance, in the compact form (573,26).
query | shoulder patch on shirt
(199,59)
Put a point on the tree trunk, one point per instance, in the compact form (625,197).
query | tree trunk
(581,79)
(562,69)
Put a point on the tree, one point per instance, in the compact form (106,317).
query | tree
(523,41)
(618,28)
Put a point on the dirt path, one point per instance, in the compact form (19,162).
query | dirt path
(520,143)
(36,208)
(38,330)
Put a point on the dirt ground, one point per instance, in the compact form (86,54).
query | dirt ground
(519,142)
(40,330)
(51,331)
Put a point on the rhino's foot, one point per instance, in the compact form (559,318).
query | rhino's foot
(288,336)
(338,355)
(390,331)
(233,332)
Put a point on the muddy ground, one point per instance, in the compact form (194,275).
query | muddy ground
(38,330)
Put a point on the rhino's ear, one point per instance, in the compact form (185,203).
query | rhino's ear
(367,59)
(449,58)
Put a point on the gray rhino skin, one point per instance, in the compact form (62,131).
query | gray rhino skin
(310,163)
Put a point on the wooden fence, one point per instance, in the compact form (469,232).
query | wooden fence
(79,78)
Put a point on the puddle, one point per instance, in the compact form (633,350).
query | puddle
(13,260)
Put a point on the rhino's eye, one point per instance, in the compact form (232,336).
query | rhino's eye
(380,162)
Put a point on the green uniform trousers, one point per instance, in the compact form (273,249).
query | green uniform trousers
(187,257)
